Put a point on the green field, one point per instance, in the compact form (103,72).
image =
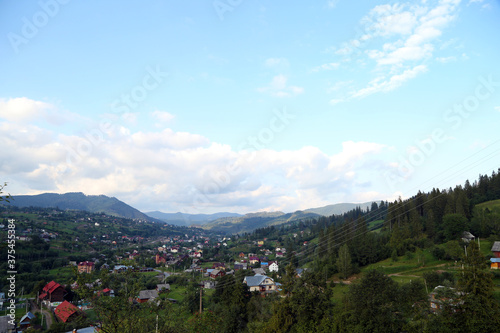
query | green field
(339,291)
(376,225)
(178,293)
(494,204)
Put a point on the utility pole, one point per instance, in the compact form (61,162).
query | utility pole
(201,298)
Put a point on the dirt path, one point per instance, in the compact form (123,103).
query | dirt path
(46,315)
(415,269)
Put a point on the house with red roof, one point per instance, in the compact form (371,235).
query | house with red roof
(86,267)
(67,312)
(253,260)
(160,259)
(219,266)
(52,292)
(217,273)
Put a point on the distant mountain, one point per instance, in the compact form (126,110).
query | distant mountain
(252,221)
(77,200)
(338,209)
(184,219)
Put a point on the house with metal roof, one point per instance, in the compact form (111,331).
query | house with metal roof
(260,271)
(496,249)
(67,312)
(163,287)
(25,321)
(147,295)
(261,283)
(495,263)
(53,292)
(7,325)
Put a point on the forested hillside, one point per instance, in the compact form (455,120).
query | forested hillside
(79,201)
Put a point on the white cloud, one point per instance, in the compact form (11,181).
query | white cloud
(175,171)
(279,87)
(399,39)
(387,20)
(497,108)
(162,116)
(354,151)
(415,28)
(23,109)
(381,85)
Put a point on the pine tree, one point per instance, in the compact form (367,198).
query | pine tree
(344,262)
(479,311)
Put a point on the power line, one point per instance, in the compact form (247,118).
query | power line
(356,226)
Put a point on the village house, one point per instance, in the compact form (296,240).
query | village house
(25,321)
(260,283)
(160,259)
(208,284)
(85,267)
(196,254)
(273,267)
(162,288)
(147,295)
(67,312)
(299,272)
(253,260)
(496,249)
(219,266)
(107,292)
(52,292)
(259,271)
(216,273)
(495,263)
(467,237)
(134,255)
(238,266)
(443,296)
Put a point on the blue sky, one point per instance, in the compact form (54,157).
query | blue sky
(243,106)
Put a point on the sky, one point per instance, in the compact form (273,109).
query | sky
(245,106)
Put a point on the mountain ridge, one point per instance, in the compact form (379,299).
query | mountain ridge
(222,221)
(185,219)
(79,201)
